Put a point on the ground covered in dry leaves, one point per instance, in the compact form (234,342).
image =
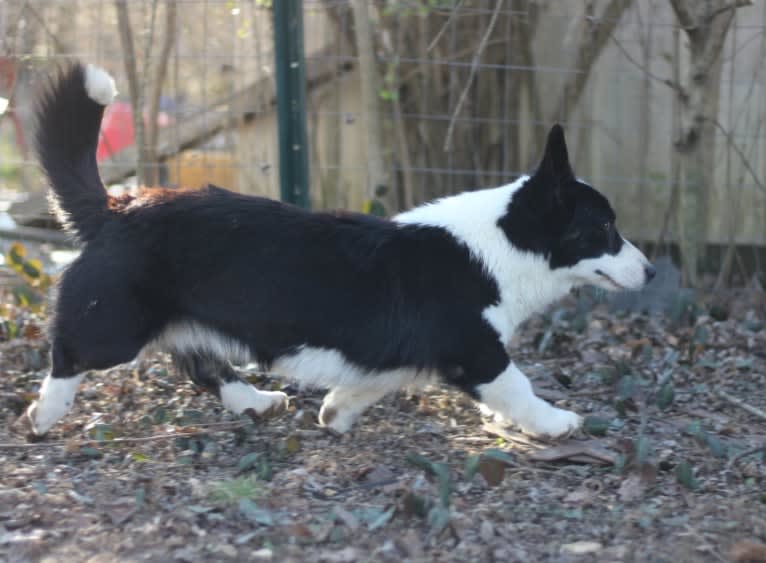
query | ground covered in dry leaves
(146,468)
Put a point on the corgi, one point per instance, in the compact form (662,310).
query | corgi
(358,305)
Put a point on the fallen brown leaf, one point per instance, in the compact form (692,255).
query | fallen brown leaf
(749,551)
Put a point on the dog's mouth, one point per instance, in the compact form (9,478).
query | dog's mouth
(610,279)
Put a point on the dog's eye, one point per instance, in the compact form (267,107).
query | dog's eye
(607,226)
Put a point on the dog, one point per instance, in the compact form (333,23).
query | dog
(359,305)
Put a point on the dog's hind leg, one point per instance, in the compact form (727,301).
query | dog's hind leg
(218,377)
(343,405)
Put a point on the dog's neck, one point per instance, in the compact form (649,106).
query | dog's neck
(525,281)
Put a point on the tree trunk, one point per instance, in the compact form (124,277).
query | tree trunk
(134,86)
(378,180)
(152,176)
(596,33)
(139,86)
(706,25)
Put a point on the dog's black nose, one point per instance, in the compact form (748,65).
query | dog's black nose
(650,271)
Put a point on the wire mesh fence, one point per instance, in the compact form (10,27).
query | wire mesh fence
(663,115)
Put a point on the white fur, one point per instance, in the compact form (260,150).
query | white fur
(352,389)
(55,400)
(347,403)
(626,269)
(510,397)
(328,368)
(526,282)
(99,85)
(238,396)
(190,336)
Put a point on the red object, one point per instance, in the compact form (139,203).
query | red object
(116,130)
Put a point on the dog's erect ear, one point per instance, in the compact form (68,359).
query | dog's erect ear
(555,165)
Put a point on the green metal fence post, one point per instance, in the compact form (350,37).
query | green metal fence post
(291,101)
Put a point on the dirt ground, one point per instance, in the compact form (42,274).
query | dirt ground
(146,468)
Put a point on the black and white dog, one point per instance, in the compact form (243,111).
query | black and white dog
(358,305)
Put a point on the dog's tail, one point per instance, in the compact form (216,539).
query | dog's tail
(69,116)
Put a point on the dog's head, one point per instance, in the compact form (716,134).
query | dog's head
(572,225)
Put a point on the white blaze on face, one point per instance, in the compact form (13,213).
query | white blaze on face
(624,270)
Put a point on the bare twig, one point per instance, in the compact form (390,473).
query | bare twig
(666,81)
(203,429)
(41,20)
(740,403)
(474,67)
(746,453)
(37,234)
(11,31)
(435,40)
(740,154)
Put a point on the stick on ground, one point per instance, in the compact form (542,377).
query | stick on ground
(741,404)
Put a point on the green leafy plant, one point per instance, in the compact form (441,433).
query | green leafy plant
(234,490)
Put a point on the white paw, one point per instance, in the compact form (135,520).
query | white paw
(44,414)
(335,419)
(56,398)
(40,419)
(239,397)
(278,402)
(555,423)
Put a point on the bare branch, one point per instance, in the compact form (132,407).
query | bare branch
(729,7)
(474,66)
(336,13)
(435,40)
(601,30)
(685,17)
(752,451)
(740,154)
(740,403)
(41,20)
(714,45)
(666,81)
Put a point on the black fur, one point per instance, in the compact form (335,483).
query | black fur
(269,275)
(210,274)
(559,217)
(206,371)
(68,124)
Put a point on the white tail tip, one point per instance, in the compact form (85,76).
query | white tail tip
(100,85)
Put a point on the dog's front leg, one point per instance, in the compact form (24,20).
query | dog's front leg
(510,397)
